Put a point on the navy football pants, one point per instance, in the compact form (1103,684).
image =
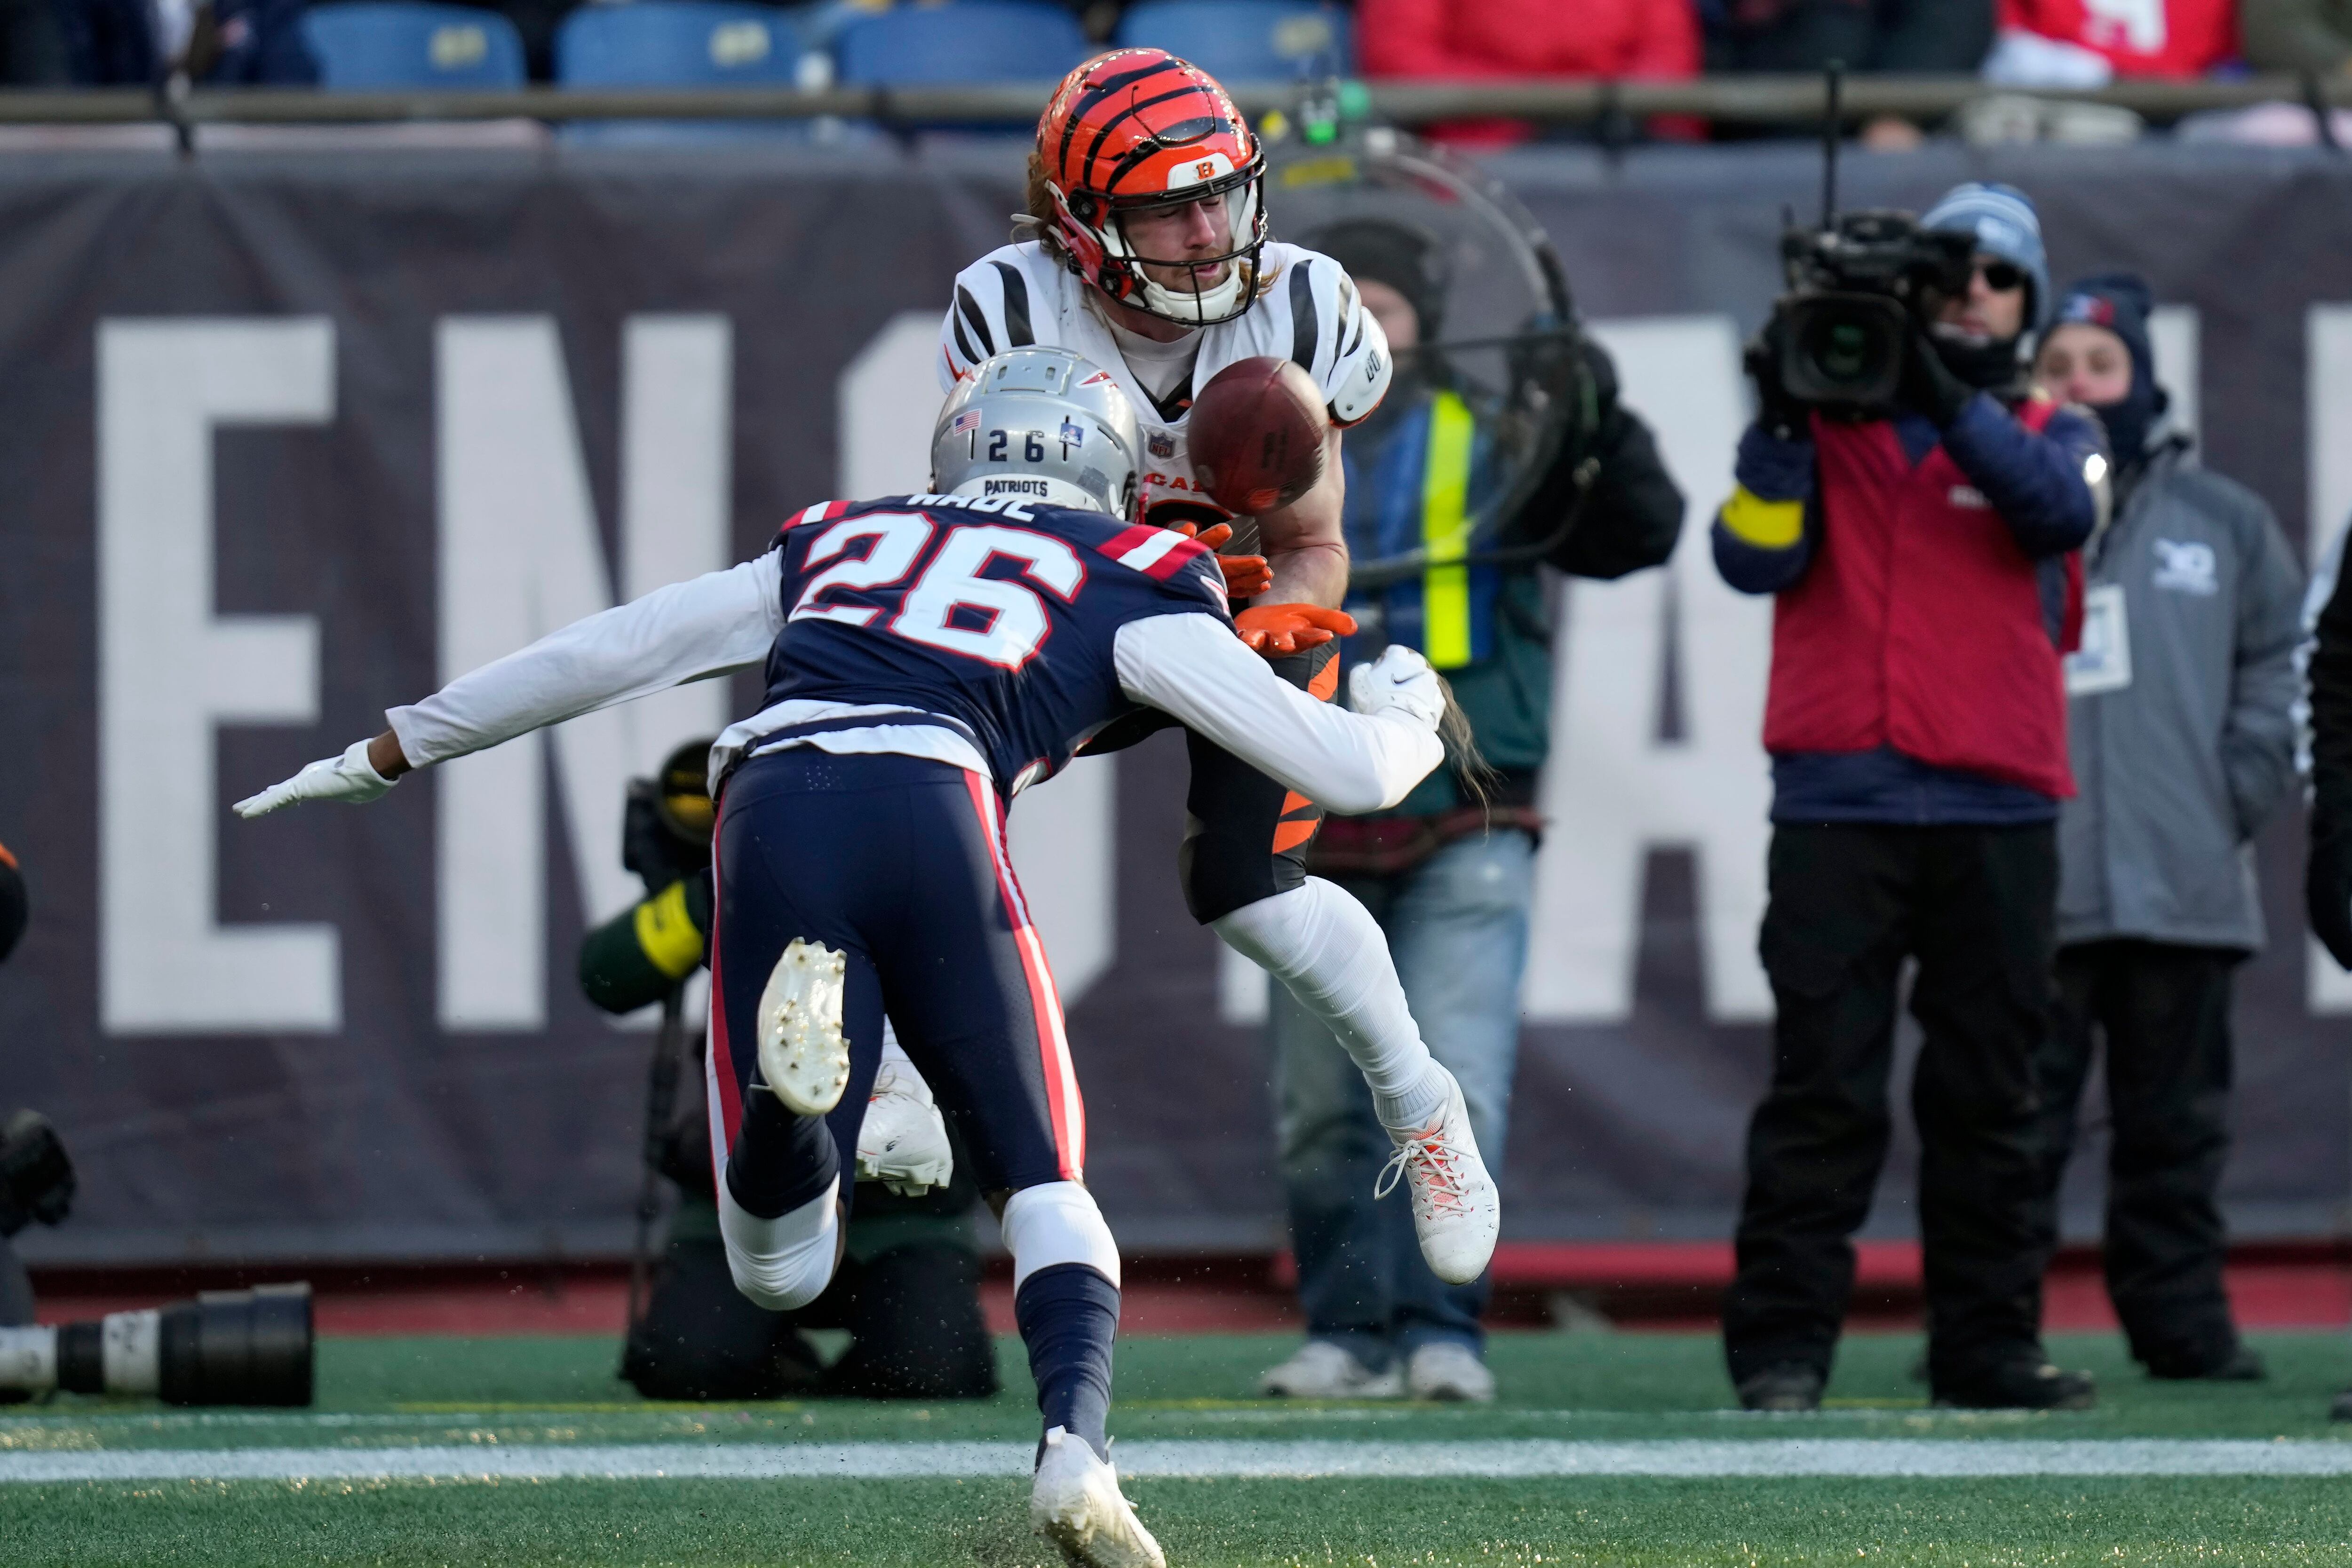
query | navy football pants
(899,863)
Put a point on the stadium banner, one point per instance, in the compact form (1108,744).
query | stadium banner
(287,438)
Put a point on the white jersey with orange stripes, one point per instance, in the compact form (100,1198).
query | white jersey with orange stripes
(1308,310)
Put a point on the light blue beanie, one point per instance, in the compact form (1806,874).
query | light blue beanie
(2005,225)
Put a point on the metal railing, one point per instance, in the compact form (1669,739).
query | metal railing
(1793,100)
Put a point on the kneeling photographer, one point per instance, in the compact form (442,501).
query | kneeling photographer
(1916,509)
(909,1287)
(225,1347)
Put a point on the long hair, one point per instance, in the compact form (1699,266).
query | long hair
(1472,772)
(1036,221)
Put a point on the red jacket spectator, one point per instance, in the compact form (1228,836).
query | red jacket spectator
(2138,38)
(1441,39)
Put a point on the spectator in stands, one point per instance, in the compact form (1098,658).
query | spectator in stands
(2183,745)
(1921,561)
(242,43)
(2298,35)
(2085,43)
(1607,38)
(1922,37)
(1449,877)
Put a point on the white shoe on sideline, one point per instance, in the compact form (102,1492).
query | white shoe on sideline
(803,1054)
(1456,1212)
(1450,1370)
(1076,1503)
(1322,1370)
(902,1143)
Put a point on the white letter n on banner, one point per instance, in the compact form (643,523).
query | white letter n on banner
(169,669)
(1614,790)
(519,557)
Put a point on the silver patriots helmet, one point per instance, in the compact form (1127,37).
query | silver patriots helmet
(1039,424)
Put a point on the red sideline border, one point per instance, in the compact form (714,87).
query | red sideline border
(1656,1285)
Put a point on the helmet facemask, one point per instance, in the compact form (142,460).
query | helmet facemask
(1095,231)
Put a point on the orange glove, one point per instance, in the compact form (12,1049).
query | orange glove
(1246,576)
(1275,630)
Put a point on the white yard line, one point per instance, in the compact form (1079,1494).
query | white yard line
(1509,1458)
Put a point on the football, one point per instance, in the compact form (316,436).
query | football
(1256,435)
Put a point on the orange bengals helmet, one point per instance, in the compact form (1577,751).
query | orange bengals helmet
(1138,128)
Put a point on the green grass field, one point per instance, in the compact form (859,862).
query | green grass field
(517,1401)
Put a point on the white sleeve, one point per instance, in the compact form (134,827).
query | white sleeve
(1335,339)
(1193,668)
(705,626)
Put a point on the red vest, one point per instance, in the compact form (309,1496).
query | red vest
(1919,622)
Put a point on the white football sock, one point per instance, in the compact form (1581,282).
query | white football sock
(1318,941)
(787,1261)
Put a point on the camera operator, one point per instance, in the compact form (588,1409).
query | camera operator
(1450,876)
(908,1289)
(2183,754)
(1921,557)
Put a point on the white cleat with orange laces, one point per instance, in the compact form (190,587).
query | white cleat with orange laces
(1456,1212)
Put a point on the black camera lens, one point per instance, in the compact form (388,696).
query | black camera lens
(1847,351)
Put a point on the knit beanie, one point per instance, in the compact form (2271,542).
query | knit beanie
(1408,259)
(2121,302)
(2005,225)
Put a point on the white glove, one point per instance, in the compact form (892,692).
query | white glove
(350,776)
(1401,681)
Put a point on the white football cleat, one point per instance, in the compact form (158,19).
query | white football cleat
(1076,1503)
(902,1143)
(1456,1212)
(1322,1370)
(1451,1371)
(803,1054)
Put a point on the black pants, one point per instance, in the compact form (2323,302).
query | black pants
(2164,1012)
(1849,903)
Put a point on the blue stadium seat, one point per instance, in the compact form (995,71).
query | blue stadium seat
(368,47)
(677,43)
(1244,41)
(967,40)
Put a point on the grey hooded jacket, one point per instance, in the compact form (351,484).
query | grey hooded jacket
(2179,768)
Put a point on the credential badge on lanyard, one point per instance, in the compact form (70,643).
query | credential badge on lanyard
(2103,664)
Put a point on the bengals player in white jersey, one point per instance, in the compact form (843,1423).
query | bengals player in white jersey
(1149,254)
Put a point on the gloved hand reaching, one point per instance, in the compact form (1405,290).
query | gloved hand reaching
(350,778)
(1275,630)
(1400,681)
(1246,576)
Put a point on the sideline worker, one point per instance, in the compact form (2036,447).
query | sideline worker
(1448,878)
(1917,727)
(2183,743)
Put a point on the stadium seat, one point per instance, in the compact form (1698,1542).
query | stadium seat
(968,40)
(1244,41)
(677,43)
(366,47)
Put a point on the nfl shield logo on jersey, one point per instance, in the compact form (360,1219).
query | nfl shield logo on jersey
(1162,444)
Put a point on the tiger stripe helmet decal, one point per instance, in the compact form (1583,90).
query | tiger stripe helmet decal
(1136,129)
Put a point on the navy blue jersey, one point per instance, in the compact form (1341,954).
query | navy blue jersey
(996,613)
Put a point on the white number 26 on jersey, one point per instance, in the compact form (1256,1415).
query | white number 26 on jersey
(997,619)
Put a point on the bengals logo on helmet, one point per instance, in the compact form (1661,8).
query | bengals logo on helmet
(1138,128)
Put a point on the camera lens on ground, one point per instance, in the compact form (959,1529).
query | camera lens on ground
(225,1347)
